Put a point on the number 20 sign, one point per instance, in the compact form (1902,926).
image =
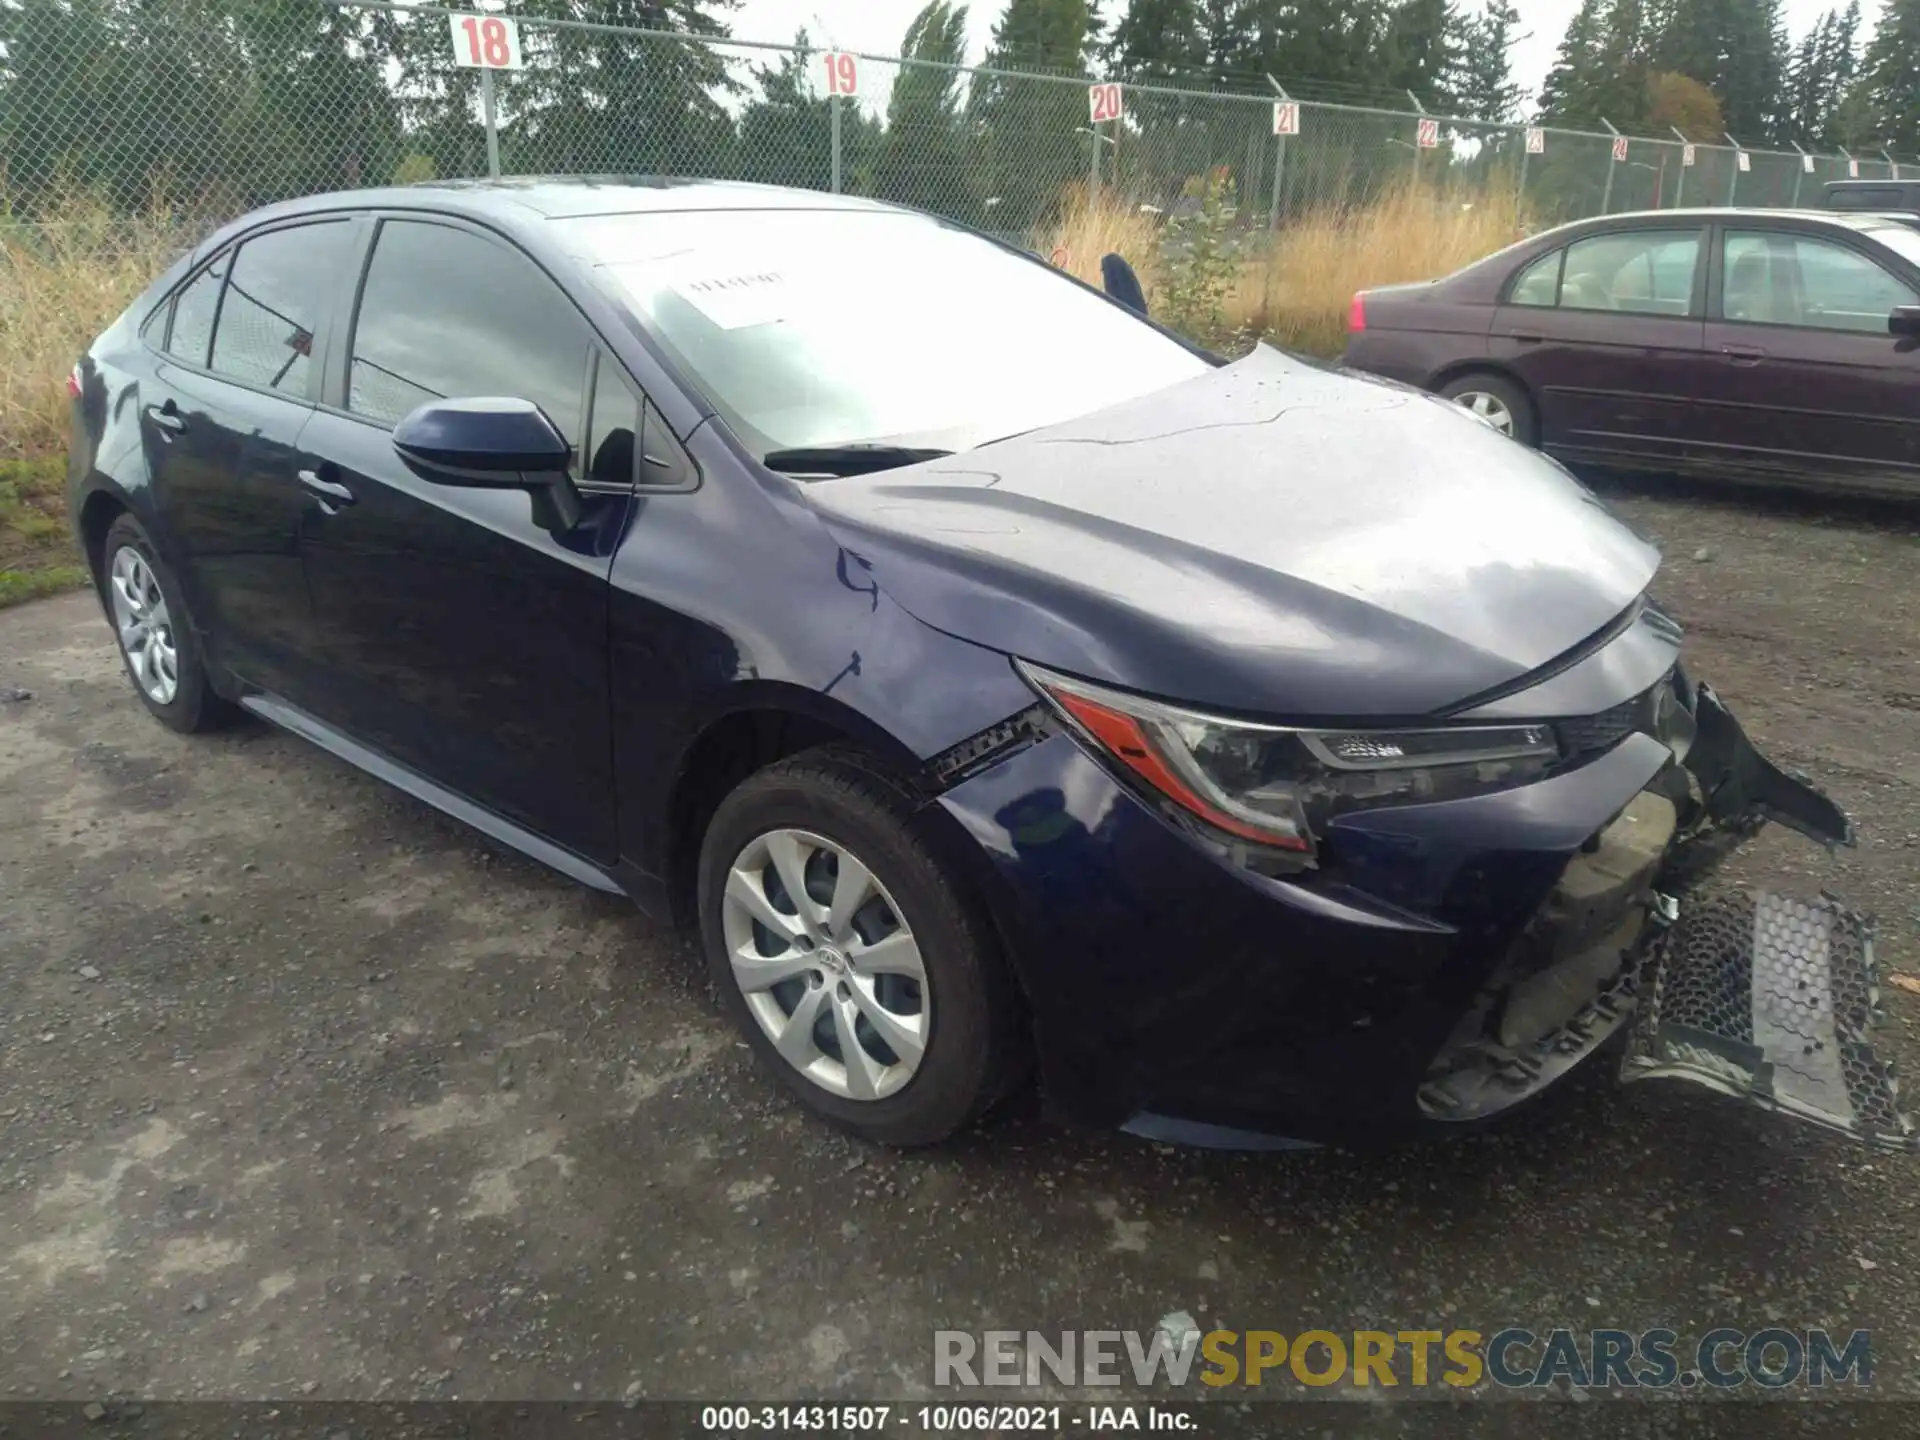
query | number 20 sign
(1104,101)
(486,42)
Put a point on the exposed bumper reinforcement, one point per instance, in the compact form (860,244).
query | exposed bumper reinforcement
(1771,1000)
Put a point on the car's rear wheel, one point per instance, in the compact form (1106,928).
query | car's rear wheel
(1498,401)
(156,637)
(850,958)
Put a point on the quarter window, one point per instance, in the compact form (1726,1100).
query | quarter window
(446,314)
(1796,280)
(612,451)
(280,284)
(1646,272)
(194,310)
(1539,283)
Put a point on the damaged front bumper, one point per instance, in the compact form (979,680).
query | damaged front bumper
(1757,996)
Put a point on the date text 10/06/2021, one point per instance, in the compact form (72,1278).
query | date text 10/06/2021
(945,1419)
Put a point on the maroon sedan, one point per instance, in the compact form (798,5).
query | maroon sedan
(1748,344)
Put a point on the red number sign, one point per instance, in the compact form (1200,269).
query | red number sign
(1427,134)
(485,42)
(1742,159)
(842,75)
(1286,117)
(1536,142)
(1686,155)
(1853,168)
(1104,101)
(1806,163)
(1619,147)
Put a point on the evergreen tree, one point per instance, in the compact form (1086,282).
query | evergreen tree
(1030,131)
(1420,54)
(924,158)
(1890,78)
(1156,40)
(1486,89)
(1563,95)
(786,136)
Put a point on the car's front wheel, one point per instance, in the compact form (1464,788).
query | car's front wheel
(1496,400)
(157,640)
(852,961)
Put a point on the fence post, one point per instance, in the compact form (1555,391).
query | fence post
(1520,190)
(1799,174)
(1279,158)
(1606,193)
(833,114)
(1093,163)
(1893,166)
(1733,188)
(1680,184)
(492,122)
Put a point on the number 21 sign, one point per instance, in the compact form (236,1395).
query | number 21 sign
(485,42)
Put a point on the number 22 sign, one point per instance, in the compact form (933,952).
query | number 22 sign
(485,42)
(1104,101)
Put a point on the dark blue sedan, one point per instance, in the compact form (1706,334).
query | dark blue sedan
(1005,688)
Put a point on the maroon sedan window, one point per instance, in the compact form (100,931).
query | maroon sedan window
(1643,272)
(1539,283)
(1778,279)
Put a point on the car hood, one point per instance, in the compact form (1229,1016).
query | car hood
(1274,537)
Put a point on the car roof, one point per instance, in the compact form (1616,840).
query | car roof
(516,200)
(1857,220)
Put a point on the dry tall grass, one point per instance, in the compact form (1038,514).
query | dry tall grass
(62,281)
(1296,290)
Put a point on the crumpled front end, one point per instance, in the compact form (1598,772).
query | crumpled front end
(1754,995)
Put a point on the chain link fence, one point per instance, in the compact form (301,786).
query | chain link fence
(207,108)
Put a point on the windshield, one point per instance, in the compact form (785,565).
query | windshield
(835,327)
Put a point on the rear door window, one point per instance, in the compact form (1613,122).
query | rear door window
(194,310)
(282,282)
(1641,272)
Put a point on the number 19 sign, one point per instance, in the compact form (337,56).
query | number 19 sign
(1104,101)
(843,74)
(486,42)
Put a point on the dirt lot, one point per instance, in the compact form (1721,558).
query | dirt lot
(309,1091)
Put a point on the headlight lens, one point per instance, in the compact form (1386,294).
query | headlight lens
(1277,786)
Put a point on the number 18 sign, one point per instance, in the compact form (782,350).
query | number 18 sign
(485,42)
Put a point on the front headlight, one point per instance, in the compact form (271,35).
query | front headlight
(1276,786)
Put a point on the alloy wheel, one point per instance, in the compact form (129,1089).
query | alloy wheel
(1488,407)
(827,964)
(145,628)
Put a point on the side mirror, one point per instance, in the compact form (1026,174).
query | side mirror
(1119,281)
(493,443)
(1905,320)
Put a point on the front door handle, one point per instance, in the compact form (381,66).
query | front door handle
(1743,354)
(328,490)
(167,417)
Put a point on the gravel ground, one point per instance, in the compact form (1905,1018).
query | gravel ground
(308,1091)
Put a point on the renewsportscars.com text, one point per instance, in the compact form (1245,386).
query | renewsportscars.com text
(1512,1358)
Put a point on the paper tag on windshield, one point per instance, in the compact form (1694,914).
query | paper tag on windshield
(733,301)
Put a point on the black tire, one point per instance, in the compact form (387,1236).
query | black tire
(194,706)
(1509,392)
(971,1054)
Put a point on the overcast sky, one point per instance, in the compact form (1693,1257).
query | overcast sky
(876,26)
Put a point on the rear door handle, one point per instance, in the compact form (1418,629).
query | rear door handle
(166,417)
(1527,337)
(1743,354)
(328,490)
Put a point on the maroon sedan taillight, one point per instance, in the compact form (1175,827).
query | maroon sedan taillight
(1357,313)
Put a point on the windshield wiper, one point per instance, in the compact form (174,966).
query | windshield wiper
(846,459)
